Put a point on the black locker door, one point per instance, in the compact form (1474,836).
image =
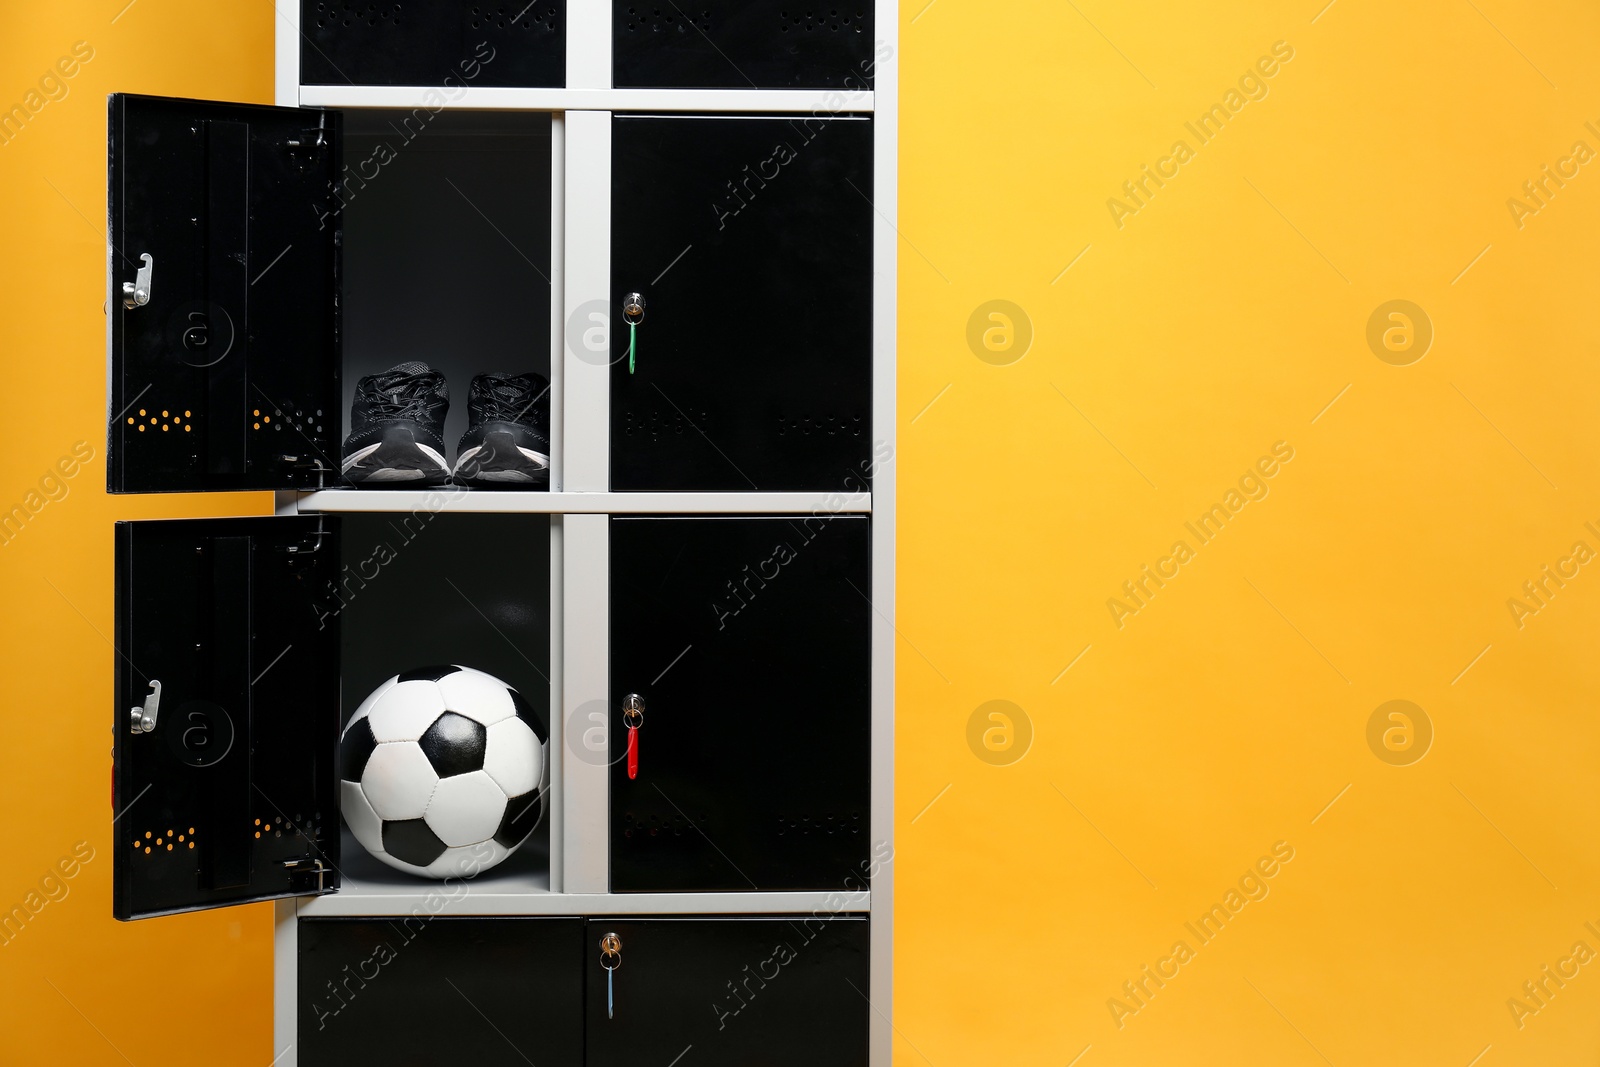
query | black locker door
(748,641)
(742,44)
(222,308)
(750,241)
(449,44)
(419,989)
(227,637)
(780,992)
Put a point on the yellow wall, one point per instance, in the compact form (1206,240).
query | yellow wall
(77,987)
(1224,716)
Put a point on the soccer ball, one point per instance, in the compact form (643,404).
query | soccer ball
(440,771)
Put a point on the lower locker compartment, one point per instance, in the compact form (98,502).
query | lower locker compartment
(786,991)
(415,990)
(729,992)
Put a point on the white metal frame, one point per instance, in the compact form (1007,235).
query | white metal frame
(580,501)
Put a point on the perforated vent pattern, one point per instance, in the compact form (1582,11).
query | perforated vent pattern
(658,20)
(505,17)
(350,13)
(823,20)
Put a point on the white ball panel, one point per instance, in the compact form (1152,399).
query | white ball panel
(399,780)
(466,808)
(406,710)
(468,861)
(513,757)
(360,817)
(365,707)
(476,695)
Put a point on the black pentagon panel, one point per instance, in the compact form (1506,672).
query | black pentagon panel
(455,744)
(427,674)
(526,713)
(521,818)
(410,841)
(355,748)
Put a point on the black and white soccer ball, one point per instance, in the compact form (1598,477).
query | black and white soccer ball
(441,771)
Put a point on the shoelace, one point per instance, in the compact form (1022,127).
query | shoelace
(407,397)
(507,401)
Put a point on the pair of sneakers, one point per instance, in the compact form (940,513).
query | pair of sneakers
(397,431)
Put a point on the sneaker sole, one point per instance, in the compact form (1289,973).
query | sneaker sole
(501,462)
(395,461)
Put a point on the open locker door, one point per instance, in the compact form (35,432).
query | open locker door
(223,296)
(224,780)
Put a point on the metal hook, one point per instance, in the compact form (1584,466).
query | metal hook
(136,294)
(144,719)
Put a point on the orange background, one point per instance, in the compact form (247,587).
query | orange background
(1224,716)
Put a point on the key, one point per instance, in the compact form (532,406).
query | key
(611,959)
(633,718)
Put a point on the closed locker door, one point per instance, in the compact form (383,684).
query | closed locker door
(744,645)
(748,242)
(744,44)
(727,992)
(420,989)
(447,44)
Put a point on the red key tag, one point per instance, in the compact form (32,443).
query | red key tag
(633,718)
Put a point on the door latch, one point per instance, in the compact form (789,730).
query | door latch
(136,294)
(144,719)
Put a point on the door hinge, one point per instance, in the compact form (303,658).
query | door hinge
(306,875)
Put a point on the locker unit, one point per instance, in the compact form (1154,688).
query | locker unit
(699,608)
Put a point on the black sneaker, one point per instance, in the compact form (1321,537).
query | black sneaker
(507,443)
(397,428)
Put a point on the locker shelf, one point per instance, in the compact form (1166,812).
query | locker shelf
(482,98)
(521,886)
(513,896)
(480,501)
